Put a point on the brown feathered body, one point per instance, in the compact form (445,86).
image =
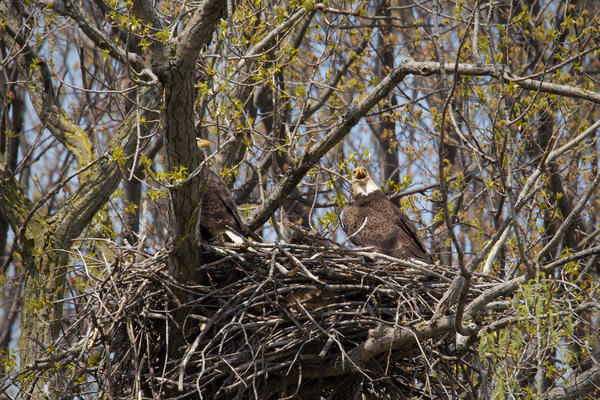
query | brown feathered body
(218,212)
(388,229)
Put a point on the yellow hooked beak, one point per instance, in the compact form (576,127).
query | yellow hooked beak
(202,143)
(360,174)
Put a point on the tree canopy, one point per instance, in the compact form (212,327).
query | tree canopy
(480,120)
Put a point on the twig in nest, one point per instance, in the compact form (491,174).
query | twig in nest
(299,264)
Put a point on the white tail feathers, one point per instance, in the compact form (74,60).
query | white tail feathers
(234,236)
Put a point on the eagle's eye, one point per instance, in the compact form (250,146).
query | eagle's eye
(360,174)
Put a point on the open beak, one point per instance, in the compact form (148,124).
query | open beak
(360,174)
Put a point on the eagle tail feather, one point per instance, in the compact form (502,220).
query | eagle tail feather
(234,236)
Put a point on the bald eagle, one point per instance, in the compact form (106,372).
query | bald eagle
(373,220)
(219,219)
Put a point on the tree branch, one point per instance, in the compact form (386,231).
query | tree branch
(45,103)
(380,341)
(476,306)
(583,384)
(95,192)
(99,38)
(499,72)
(14,205)
(570,219)
(529,188)
(197,33)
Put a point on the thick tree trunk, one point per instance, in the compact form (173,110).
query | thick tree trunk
(183,157)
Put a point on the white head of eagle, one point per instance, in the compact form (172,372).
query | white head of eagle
(362,182)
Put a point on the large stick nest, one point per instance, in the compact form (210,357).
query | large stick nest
(270,321)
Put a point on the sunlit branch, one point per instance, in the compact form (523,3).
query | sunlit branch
(569,219)
(529,187)
(198,32)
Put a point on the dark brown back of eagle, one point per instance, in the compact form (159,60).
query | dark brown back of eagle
(218,211)
(388,229)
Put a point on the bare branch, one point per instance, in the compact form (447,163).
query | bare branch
(578,386)
(99,38)
(197,33)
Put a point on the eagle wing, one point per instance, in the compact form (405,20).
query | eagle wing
(412,246)
(387,228)
(218,209)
